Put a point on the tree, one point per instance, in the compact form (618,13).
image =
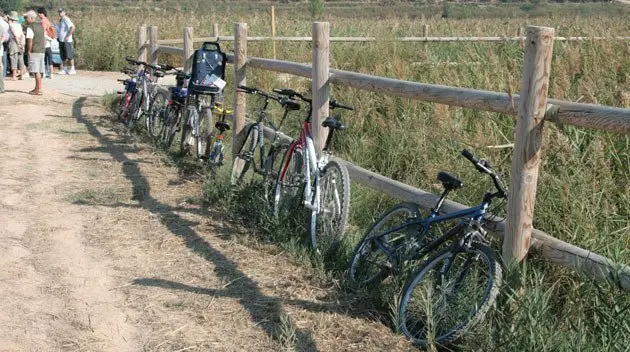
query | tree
(12,5)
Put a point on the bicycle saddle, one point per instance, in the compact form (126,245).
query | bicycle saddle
(290,104)
(222,126)
(335,124)
(449,182)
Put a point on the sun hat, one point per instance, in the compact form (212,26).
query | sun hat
(13,16)
(61,9)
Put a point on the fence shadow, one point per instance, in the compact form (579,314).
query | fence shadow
(268,317)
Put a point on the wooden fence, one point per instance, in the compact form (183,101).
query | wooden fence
(532,108)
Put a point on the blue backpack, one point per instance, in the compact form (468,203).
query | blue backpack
(208,66)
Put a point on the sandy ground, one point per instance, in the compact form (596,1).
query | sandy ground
(105,247)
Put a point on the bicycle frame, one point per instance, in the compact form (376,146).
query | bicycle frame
(475,213)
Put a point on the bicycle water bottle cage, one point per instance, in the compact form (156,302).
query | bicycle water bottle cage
(222,126)
(335,124)
(449,182)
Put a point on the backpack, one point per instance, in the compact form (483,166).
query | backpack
(208,69)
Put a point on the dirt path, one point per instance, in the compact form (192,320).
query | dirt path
(104,247)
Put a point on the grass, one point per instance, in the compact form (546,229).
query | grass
(584,186)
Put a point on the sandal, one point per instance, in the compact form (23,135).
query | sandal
(35,93)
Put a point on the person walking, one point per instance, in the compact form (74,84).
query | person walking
(66,50)
(50,33)
(4,37)
(16,46)
(36,48)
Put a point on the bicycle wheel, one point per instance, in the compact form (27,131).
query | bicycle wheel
(171,124)
(190,118)
(244,158)
(135,109)
(203,135)
(371,261)
(271,167)
(328,225)
(123,103)
(449,294)
(156,115)
(289,183)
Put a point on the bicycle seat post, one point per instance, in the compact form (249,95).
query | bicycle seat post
(435,211)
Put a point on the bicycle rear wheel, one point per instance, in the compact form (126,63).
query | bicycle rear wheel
(246,156)
(327,224)
(156,116)
(371,261)
(173,115)
(449,294)
(135,109)
(289,183)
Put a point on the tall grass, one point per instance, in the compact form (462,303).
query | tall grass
(584,186)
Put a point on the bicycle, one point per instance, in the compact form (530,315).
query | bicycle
(324,182)
(146,90)
(216,154)
(251,155)
(434,315)
(197,121)
(172,114)
(125,97)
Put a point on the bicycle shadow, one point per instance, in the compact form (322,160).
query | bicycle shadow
(270,317)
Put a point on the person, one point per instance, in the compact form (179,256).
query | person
(36,48)
(16,46)
(4,36)
(5,33)
(50,33)
(66,50)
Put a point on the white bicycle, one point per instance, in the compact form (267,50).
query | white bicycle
(319,183)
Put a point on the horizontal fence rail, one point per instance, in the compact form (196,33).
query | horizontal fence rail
(400,39)
(557,111)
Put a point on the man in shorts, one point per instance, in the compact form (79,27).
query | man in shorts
(4,36)
(66,50)
(36,48)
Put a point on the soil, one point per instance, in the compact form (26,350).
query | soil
(106,247)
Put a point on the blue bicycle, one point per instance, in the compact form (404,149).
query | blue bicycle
(450,292)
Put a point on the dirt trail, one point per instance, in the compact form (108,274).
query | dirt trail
(105,247)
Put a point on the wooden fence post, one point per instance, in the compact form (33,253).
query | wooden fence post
(321,72)
(188,48)
(529,127)
(215,31)
(273,30)
(141,40)
(240,59)
(153,45)
(425,30)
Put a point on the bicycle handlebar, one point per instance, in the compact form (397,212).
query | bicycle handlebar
(159,67)
(256,91)
(292,94)
(335,104)
(485,167)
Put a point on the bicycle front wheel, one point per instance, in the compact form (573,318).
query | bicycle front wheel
(245,157)
(372,262)
(171,124)
(449,294)
(289,183)
(327,224)
(190,118)
(156,114)
(202,137)
(135,110)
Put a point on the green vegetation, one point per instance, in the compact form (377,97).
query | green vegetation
(584,185)
(11,5)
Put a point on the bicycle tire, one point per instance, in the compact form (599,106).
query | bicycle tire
(369,264)
(122,105)
(135,110)
(289,183)
(245,156)
(436,310)
(173,116)
(203,136)
(327,227)
(271,166)
(156,115)
(187,132)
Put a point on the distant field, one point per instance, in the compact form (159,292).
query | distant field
(584,189)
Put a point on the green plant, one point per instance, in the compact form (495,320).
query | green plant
(12,5)
(316,8)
